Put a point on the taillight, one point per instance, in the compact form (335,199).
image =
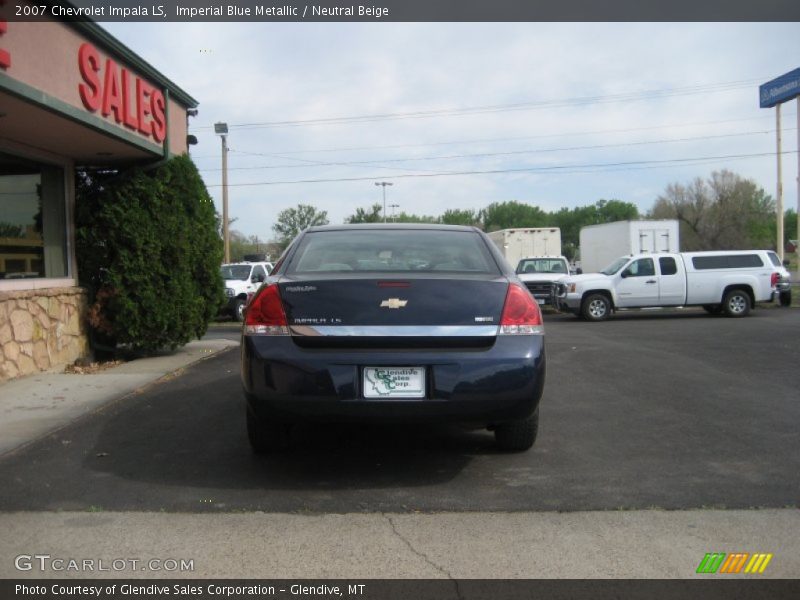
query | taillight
(264,315)
(773,280)
(521,314)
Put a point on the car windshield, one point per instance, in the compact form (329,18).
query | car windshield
(615,266)
(397,250)
(528,266)
(240,272)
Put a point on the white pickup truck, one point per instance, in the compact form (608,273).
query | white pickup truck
(730,282)
(541,275)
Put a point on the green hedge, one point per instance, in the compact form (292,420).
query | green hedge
(148,254)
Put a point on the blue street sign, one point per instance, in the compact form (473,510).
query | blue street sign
(780,89)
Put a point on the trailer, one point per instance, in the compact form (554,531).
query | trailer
(527,242)
(602,244)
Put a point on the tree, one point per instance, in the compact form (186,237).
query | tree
(505,215)
(373,214)
(292,221)
(789,226)
(10,230)
(610,211)
(457,216)
(571,220)
(148,254)
(725,212)
(404,217)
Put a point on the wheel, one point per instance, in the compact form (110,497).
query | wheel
(596,307)
(238,310)
(517,436)
(736,303)
(785,298)
(712,309)
(266,436)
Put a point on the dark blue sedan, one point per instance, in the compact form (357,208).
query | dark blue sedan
(393,323)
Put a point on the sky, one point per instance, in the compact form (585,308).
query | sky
(461,115)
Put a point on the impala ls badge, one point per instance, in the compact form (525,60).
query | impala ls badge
(394,303)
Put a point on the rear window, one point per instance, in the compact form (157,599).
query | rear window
(727,261)
(395,250)
(774,258)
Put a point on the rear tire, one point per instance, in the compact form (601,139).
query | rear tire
(596,307)
(785,298)
(736,303)
(517,436)
(266,436)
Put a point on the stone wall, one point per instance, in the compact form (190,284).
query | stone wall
(41,330)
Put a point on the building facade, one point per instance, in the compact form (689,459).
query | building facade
(71,97)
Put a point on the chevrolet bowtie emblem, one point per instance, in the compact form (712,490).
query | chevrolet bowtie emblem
(394,303)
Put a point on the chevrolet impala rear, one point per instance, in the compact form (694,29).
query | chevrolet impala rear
(393,323)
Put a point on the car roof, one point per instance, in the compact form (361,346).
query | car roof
(413,226)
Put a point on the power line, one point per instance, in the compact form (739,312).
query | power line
(377,163)
(504,139)
(557,168)
(532,105)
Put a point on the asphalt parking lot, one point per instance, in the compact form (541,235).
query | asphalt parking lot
(649,410)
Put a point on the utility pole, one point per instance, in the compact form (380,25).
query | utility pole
(774,93)
(779,203)
(221,129)
(383,184)
(393,206)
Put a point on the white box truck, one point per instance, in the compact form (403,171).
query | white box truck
(602,244)
(527,242)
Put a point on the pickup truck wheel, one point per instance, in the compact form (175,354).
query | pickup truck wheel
(517,436)
(266,436)
(596,307)
(238,310)
(736,304)
(785,298)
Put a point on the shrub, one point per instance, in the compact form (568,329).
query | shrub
(148,254)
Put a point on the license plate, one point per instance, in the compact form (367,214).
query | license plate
(394,382)
(540,300)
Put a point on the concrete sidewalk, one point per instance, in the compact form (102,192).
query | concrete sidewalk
(32,406)
(595,544)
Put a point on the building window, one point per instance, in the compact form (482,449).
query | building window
(33,225)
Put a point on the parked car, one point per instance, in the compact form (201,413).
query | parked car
(241,281)
(784,285)
(393,323)
(730,282)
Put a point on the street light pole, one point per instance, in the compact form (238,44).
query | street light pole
(393,206)
(779,202)
(221,129)
(383,184)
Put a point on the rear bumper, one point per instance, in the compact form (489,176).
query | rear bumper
(484,386)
